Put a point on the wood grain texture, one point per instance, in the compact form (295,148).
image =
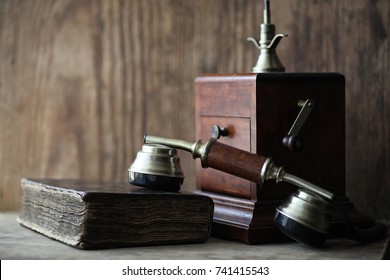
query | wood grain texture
(82,81)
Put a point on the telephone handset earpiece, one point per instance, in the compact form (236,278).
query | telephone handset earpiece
(305,217)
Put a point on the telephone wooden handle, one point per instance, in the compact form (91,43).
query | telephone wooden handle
(235,161)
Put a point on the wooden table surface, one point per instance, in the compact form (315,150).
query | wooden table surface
(17,242)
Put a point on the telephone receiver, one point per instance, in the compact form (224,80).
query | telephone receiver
(304,216)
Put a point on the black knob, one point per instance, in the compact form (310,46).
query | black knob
(217,131)
(293,143)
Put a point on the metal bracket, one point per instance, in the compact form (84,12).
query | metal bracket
(292,141)
(306,106)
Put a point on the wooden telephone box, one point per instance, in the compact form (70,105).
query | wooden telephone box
(255,112)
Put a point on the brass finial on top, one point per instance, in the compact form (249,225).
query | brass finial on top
(268,60)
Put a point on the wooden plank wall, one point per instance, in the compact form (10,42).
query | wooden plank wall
(82,81)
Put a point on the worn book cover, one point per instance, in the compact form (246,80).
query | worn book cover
(94,215)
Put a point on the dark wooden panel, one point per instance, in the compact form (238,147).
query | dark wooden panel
(322,160)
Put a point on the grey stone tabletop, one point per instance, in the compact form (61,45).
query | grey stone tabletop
(18,242)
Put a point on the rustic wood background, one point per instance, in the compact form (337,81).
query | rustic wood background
(82,81)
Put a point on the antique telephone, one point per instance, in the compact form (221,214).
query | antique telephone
(244,108)
(304,216)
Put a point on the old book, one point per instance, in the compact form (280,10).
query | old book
(94,215)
